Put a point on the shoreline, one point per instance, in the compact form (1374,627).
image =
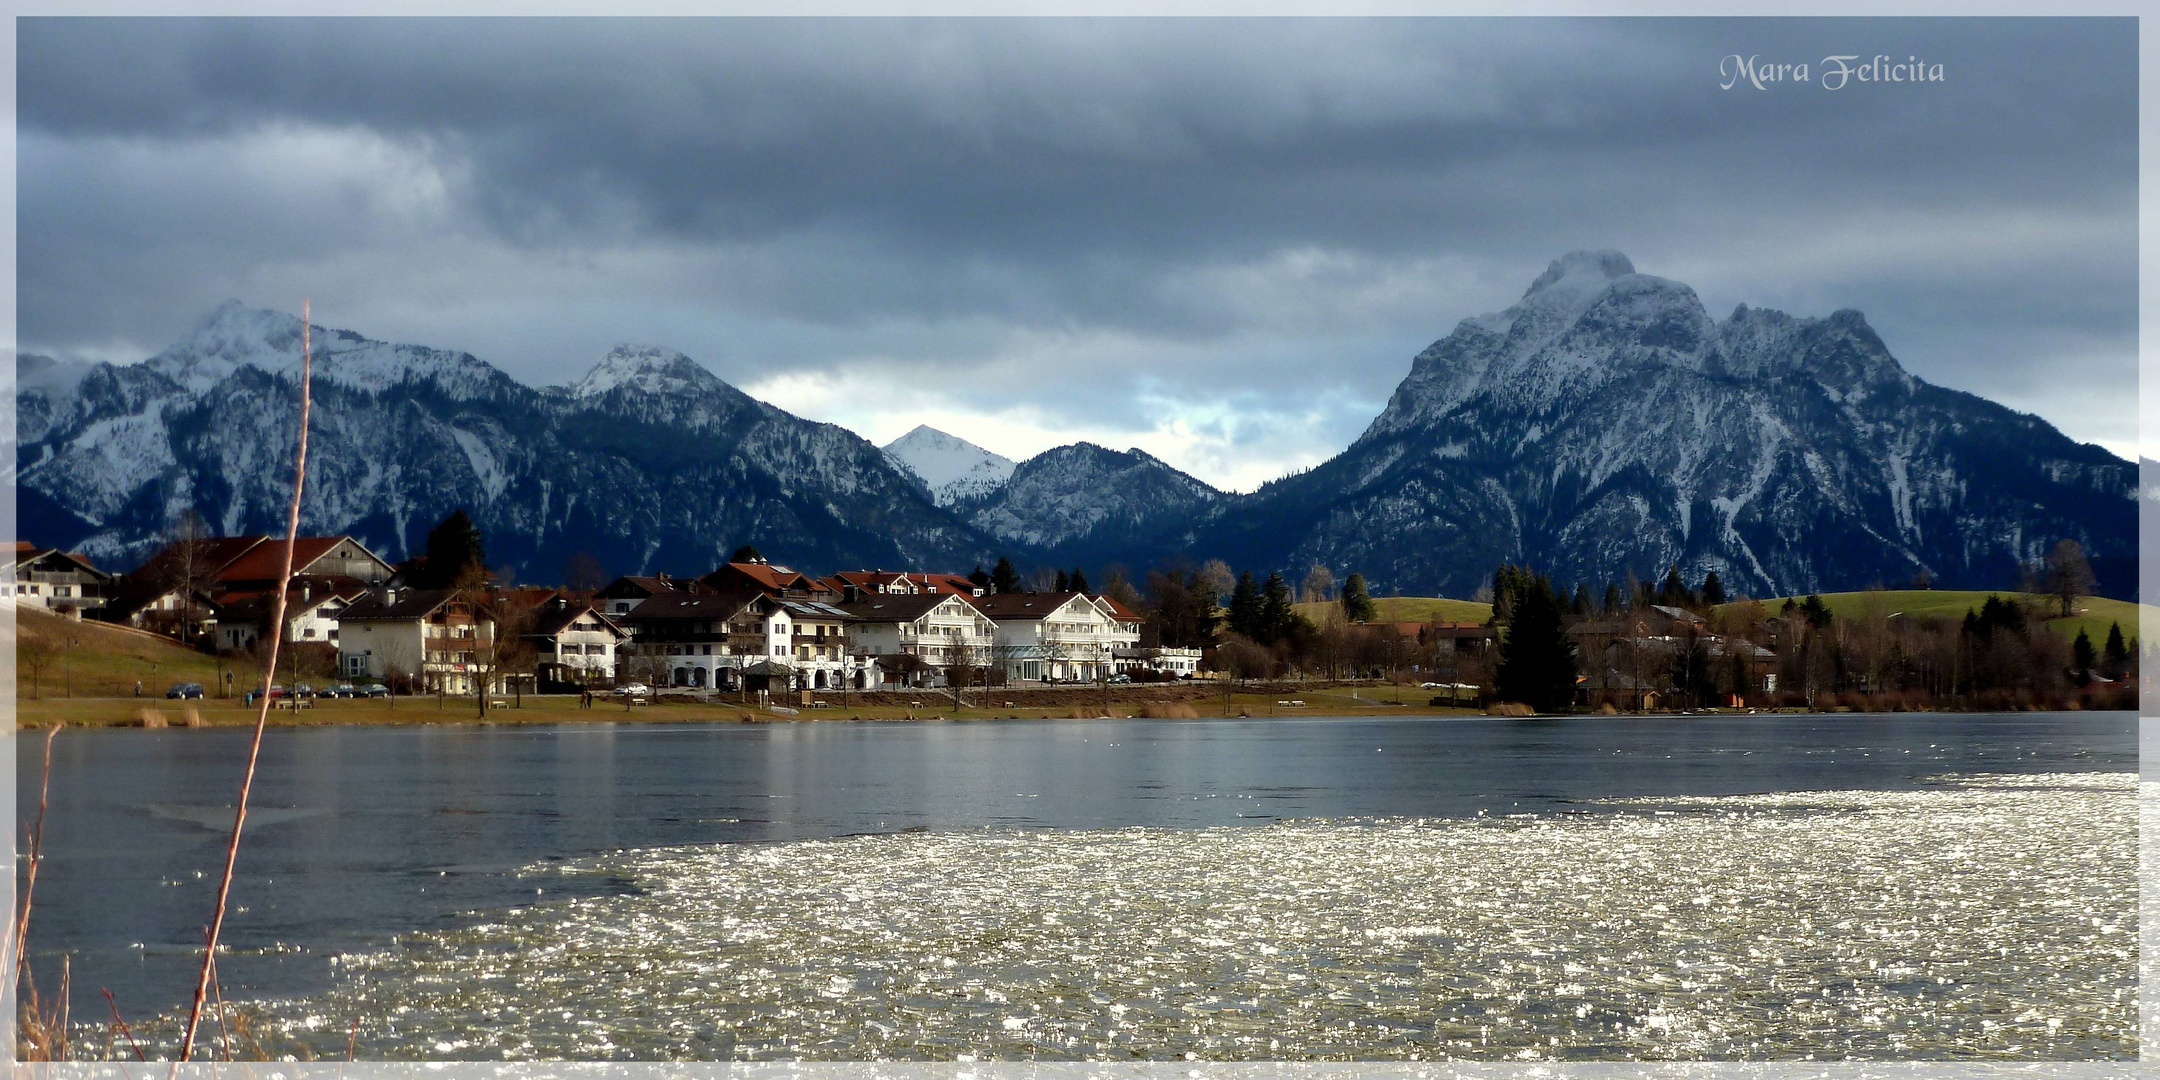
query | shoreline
(1309,703)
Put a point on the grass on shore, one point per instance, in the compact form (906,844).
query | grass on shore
(1123,701)
(2093,614)
(1405,609)
(94,659)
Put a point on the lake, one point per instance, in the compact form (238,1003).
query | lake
(1931,885)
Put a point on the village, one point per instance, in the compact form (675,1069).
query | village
(749,626)
(757,632)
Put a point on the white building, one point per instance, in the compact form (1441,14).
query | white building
(58,581)
(717,640)
(1059,637)
(572,643)
(433,639)
(939,631)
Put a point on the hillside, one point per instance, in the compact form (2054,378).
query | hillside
(2095,613)
(1408,609)
(93,659)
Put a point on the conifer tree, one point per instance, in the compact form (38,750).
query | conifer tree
(1063,584)
(1612,598)
(455,551)
(1078,582)
(1245,607)
(1277,617)
(1713,590)
(1537,662)
(2082,658)
(2114,656)
(1674,592)
(1004,578)
(1357,603)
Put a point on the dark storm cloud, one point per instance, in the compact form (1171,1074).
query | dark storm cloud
(944,185)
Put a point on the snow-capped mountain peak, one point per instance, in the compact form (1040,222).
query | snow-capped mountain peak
(951,467)
(1579,276)
(650,369)
(230,337)
(234,336)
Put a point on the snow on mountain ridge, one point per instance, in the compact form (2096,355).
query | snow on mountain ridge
(650,369)
(953,468)
(234,336)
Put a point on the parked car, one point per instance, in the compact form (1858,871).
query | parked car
(185,690)
(303,690)
(1120,677)
(636,689)
(340,690)
(373,689)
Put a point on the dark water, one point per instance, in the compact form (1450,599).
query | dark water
(360,833)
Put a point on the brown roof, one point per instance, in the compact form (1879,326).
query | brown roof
(264,561)
(895,607)
(1120,611)
(699,605)
(1022,605)
(557,618)
(409,604)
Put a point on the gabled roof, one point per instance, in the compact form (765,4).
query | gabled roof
(898,607)
(1119,611)
(814,609)
(1023,605)
(1677,614)
(556,619)
(265,560)
(767,576)
(213,553)
(689,605)
(405,604)
(40,554)
(634,585)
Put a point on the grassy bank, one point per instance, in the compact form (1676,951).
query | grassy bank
(94,659)
(1122,701)
(2093,614)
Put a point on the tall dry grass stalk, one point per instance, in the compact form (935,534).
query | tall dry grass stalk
(42,1029)
(262,717)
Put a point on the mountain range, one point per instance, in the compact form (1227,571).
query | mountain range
(1604,425)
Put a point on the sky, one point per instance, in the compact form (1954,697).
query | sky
(1220,241)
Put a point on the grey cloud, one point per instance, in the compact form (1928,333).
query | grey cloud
(773,193)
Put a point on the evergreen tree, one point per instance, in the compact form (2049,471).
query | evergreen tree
(1064,584)
(746,553)
(1581,606)
(1612,598)
(980,578)
(1674,592)
(1357,603)
(1815,611)
(1078,582)
(456,552)
(2114,656)
(2082,659)
(1537,662)
(1245,607)
(1713,590)
(1003,578)
(1277,618)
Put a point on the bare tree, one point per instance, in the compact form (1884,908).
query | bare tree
(2068,575)
(502,651)
(1215,580)
(1318,586)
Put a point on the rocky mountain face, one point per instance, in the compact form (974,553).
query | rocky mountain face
(1084,504)
(953,468)
(1607,425)
(648,462)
